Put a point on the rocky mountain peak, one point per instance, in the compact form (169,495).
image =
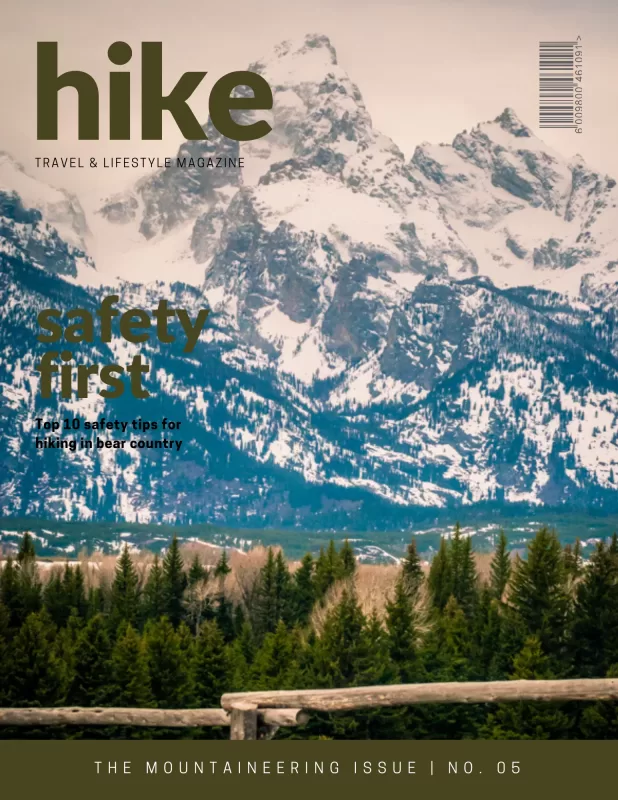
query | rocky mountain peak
(301,59)
(510,122)
(496,201)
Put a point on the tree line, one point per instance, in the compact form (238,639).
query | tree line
(177,640)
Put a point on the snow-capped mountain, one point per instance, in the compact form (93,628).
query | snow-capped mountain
(46,226)
(529,216)
(388,335)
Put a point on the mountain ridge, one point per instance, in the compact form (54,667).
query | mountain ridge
(387,334)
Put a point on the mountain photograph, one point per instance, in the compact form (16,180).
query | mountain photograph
(389,339)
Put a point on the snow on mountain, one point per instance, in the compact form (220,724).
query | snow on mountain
(529,216)
(387,334)
(45,224)
(58,208)
(323,170)
(496,202)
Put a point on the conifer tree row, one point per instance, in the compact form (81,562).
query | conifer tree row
(175,636)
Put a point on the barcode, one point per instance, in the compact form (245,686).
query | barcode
(557,84)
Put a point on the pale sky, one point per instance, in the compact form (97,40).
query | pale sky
(426,69)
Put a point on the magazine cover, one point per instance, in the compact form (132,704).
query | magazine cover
(308,391)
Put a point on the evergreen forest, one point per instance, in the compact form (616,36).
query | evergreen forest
(178,633)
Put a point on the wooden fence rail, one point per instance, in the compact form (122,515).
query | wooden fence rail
(407,694)
(268,720)
(253,715)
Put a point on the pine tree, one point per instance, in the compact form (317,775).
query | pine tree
(327,570)
(505,626)
(125,592)
(54,599)
(283,588)
(30,588)
(343,642)
(374,663)
(93,668)
(197,574)
(273,594)
(21,590)
(246,641)
(154,592)
(37,674)
(449,647)
(131,675)
(64,594)
(174,583)
(266,608)
(224,617)
(196,599)
(186,640)
(95,601)
(210,666)
(241,653)
(303,591)
(400,625)
(9,592)
(168,665)
(487,627)
(76,590)
(26,552)
(500,569)
(222,569)
(412,572)
(463,571)
(596,617)
(4,653)
(374,667)
(276,663)
(540,597)
(573,560)
(440,581)
(66,643)
(449,656)
(347,560)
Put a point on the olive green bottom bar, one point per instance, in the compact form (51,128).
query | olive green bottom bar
(317,769)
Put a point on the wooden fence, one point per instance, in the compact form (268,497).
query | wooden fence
(258,715)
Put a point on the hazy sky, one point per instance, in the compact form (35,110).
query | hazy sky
(426,69)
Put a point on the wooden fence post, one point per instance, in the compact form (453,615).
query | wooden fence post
(243,721)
